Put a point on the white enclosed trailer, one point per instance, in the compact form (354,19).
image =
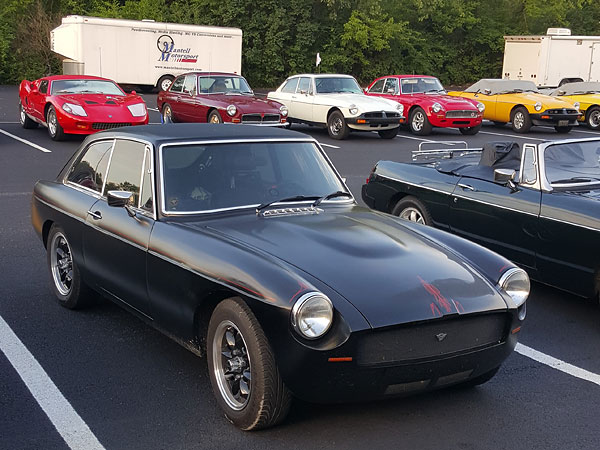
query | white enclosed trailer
(144,52)
(552,60)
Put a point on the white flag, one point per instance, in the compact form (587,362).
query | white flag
(318,59)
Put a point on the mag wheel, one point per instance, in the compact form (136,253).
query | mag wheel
(55,131)
(167,114)
(242,368)
(410,208)
(521,122)
(337,126)
(419,123)
(24,119)
(592,117)
(214,117)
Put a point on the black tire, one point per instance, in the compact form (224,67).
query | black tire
(388,134)
(563,129)
(481,379)
(267,400)
(164,82)
(520,115)
(214,117)
(499,124)
(167,114)
(55,131)
(67,285)
(592,118)
(24,119)
(410,208)
(470,131)
(419,123)
(337,126)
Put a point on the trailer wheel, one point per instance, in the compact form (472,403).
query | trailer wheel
(592,117)
(164,83)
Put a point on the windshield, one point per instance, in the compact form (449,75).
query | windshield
(224,85)
(85,87)
(199,177)
(330,85)
(573,163)
(421,85)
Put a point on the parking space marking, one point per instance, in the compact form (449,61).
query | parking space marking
(154,109)
(65,419)
(414,138)
(328,145)
(513,136)
(25,141)
(558,364)
(11,123)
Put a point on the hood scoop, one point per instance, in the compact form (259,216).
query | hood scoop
(110,102)
(90,102)
(290,211)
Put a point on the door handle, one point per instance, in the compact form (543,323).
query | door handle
(466,187)
(294,97)
(96,215)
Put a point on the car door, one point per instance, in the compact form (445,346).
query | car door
(203,99)
(187,100)
(302,100)
(116,244)
(174,98)
(498,216)
(37,99)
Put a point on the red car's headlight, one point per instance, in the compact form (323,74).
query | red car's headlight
(76,110)
(137,110)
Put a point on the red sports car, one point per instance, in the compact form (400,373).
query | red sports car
(216,98)
(77,104)
(426,104)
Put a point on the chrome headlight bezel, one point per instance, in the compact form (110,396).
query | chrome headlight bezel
(231,110)
(436,107)
(515,282)
(577,105)
(301,319)
(353,109)
(73,109)
(283,111)
(538,106)
(400,108)
(480,107)
(137,109)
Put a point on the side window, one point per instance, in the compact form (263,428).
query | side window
(529,174)
(391,86)
(189,87)
(125,171)
(90,170)
(290,86)
(146,198)
(44,87)
(303,85)
(177,85)
(205,84)
(377,88)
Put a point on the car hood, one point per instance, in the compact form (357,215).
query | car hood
(251,103)
(532,98)
(364,102)
(447,101)
(99,100)
(592,99)
(388,272)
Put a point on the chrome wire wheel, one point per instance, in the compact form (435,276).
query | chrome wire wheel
(519,120)
(52,122)
(61,263)
(231,365)
(336,126)
(418,121)
(412,214)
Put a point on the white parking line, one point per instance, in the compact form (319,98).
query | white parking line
(329,145)
(558,364)
(26,142)
(513,136)
(153,109)
(68,423)
(12,123)
(414,138)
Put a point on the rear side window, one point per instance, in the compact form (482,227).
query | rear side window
(89,172)
(377,88)
(290,86)
(177,85)
(304,85)
(125,171)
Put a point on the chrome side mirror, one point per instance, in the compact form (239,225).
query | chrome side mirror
(121,199)
(505,176)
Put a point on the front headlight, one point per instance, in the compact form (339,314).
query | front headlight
(400,108)
(283,111)
(480,107)
(231,110)
(312,315)
(436,108)
(515,282)
(576,105)
(137,110)
(353,109)
(76,110)
(538,106)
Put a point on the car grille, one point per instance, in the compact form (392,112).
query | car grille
(258,118)
(427,340)
(462,114)
(381,115)
(562,111)
(108,126)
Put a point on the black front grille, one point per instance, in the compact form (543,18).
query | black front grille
(381,115)
(462,114)
(271,118)
(431,339)
(258,118)
(108,126)
(562,111)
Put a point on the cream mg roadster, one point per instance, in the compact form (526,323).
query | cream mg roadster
(337,102)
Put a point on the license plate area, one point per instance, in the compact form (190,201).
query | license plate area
(563,123)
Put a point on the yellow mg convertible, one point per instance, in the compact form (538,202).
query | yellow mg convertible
(520,103)
(587,94)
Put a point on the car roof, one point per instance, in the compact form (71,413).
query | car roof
(188,132)
(219,74)
(74,77)
(322,75)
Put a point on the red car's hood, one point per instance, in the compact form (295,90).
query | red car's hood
(447,101)
(103,107)
(251,103)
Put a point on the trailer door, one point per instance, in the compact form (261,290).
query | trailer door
(595,63)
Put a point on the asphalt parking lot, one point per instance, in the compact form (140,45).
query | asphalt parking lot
(133,388)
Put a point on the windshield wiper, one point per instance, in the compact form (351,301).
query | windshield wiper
(577,180)
(330,196)
(295,198)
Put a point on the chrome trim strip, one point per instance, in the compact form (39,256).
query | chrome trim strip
(495,205)
(83,189)
(298,304)
(112,150)
(569,223)
(414,184)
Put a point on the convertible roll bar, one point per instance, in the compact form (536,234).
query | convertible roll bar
(442,153)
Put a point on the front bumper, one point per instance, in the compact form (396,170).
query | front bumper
(561,118)
(448,119)
(380,120)
(88,125)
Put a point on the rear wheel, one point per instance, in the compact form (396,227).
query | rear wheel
(521,122)
(337,126)
(592,117)
(410,208)
(164,83)
(563,129)
(242,368)
(388,134)
(215,117)
(419,123)
(470,131)
(55,131)
(26,122)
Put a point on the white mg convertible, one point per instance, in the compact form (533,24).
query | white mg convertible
(337,102)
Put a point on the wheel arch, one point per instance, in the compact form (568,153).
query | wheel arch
(210,111)
(46,231)
(203,312)
(513,109)
(332,110)
(46,108)
(394,199)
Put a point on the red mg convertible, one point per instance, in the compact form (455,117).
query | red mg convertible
(216,98)
(427,105)
(77,104)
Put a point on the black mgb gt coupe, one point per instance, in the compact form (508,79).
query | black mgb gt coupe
(244,243)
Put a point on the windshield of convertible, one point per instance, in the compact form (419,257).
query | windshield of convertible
(85,87)
(224,85)
(573,163)
(342,85)
(421,85)
(205,177)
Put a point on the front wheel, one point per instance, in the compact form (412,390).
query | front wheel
(55,131)
(521,122)
(337,126)
(388,134)
(167,114)
(215,117)
(24,119)
(470,131)
(592,117)
(410,208)
(563,129)
(242,368)
(419,123)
